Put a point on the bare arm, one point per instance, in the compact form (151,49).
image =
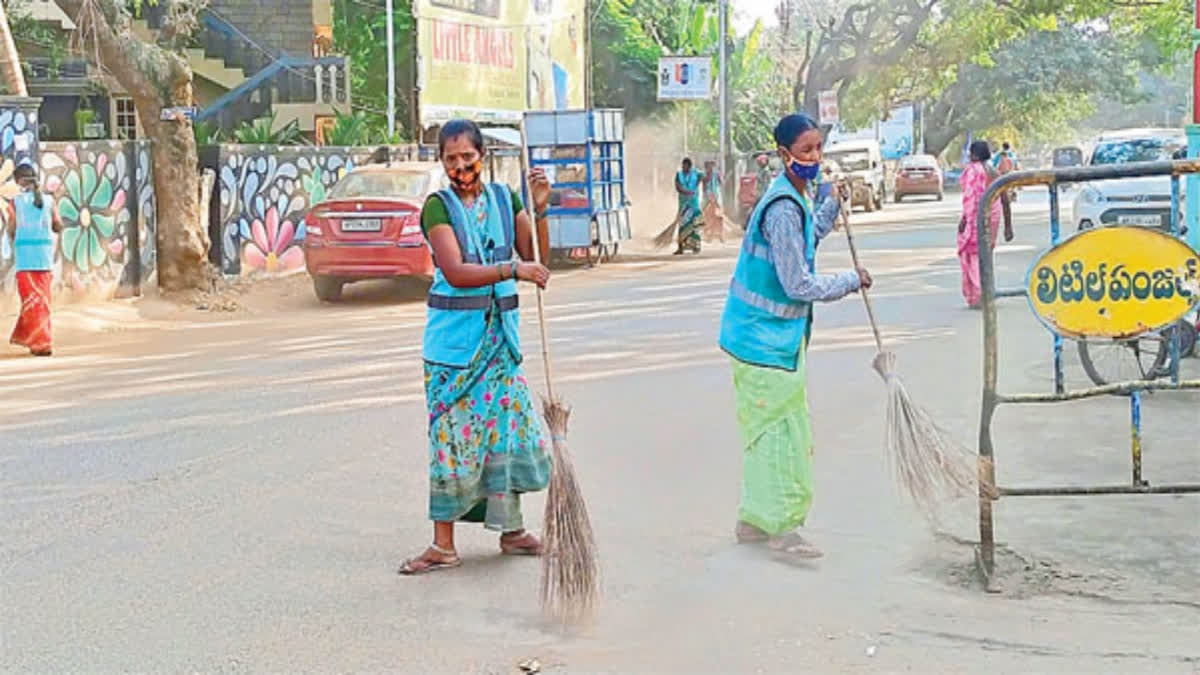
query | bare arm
(525,236)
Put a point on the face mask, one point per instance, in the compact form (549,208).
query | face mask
(467,177)
(806,172)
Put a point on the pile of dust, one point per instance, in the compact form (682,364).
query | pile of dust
(1018,575)
(218,293)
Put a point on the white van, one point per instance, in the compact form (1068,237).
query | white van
(862,162)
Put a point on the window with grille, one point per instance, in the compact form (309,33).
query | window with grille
(125,119)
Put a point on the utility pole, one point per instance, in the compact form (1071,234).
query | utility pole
(723,92)
(1193,132)
(391,66)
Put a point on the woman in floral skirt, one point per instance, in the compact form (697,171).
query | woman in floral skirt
(486,444)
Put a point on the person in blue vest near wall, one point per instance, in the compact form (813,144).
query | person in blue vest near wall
(486,443)
(32,222)
(765,329)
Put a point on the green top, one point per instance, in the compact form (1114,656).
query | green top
(434,212)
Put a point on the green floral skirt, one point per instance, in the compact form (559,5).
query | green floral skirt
(486,444)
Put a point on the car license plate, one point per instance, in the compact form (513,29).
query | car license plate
(1153,221)
(362,225)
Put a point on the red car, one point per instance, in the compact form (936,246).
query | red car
(919,175)
(369,227)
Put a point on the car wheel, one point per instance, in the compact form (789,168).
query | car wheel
(898,197)
(328,289)
(869,205)
(879,201)
(941,196)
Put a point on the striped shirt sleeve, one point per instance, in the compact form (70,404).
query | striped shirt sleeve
(783,226)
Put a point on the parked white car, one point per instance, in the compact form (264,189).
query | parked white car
(1130,201)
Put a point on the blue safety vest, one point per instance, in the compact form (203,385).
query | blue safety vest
(456,318)
(761,325)
(33,244)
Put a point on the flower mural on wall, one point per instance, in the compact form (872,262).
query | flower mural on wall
(253,181)
(89,209)
(273,246)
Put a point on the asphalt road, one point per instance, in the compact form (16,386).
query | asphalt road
(229,493)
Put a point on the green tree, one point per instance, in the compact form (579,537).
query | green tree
(360,33)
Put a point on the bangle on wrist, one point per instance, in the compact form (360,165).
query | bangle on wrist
(512,268)
(500,269)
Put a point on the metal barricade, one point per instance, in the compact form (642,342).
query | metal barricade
(985,553)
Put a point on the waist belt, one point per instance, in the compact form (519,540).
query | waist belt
(467,302)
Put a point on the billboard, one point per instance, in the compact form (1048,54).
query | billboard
(490,60)
(685,78)
(896,133)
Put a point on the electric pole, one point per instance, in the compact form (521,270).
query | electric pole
(391,66)
(723,91)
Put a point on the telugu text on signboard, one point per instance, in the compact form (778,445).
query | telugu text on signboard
(1114,282)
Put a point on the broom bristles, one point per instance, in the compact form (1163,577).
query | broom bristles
(570,571)
(930,465)
(667,236)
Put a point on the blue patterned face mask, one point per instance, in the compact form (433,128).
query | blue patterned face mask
(806,172)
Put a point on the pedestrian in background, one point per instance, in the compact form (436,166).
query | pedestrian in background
(765,328)
(32,221)
(688,212)
(976,177)
(486,446)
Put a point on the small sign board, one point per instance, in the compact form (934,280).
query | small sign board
(685,78)
(174,113)
(827,103)
(93,130)
(1114,283)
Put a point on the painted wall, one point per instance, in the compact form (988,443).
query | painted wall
(104,194)
(262,194)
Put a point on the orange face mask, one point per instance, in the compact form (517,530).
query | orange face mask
(467,177)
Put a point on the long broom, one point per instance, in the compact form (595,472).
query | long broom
(929,464)
(570,571)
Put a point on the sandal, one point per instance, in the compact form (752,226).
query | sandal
(749,534)
(422,564)
(523,543)
(795,546)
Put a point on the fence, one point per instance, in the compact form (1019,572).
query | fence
(1177,286)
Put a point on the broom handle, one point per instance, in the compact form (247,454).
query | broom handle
(537,256)
(865,296)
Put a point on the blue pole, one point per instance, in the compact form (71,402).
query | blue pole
(1193,189)
(1055,236)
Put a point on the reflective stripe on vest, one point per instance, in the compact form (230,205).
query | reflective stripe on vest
(503,201)
(468,302)
(791,311)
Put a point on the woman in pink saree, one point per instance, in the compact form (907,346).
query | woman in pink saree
(976,178)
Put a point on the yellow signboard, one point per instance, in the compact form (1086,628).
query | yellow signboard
(490,60)
(1114,282)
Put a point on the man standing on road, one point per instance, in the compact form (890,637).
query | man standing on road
(765,329)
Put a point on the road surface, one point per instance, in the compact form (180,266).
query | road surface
(232,492)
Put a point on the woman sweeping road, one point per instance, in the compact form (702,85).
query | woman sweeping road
(765,328)
(486,446)
(976,178)
(689,216)
(32,219)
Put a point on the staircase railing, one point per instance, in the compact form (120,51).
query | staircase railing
(287,79)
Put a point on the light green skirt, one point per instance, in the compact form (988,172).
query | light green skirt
(772,413)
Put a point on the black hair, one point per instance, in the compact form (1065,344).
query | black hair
(791,127)
(687,160)
(980,152)
(26,174)
(1007,146)
(460,127)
